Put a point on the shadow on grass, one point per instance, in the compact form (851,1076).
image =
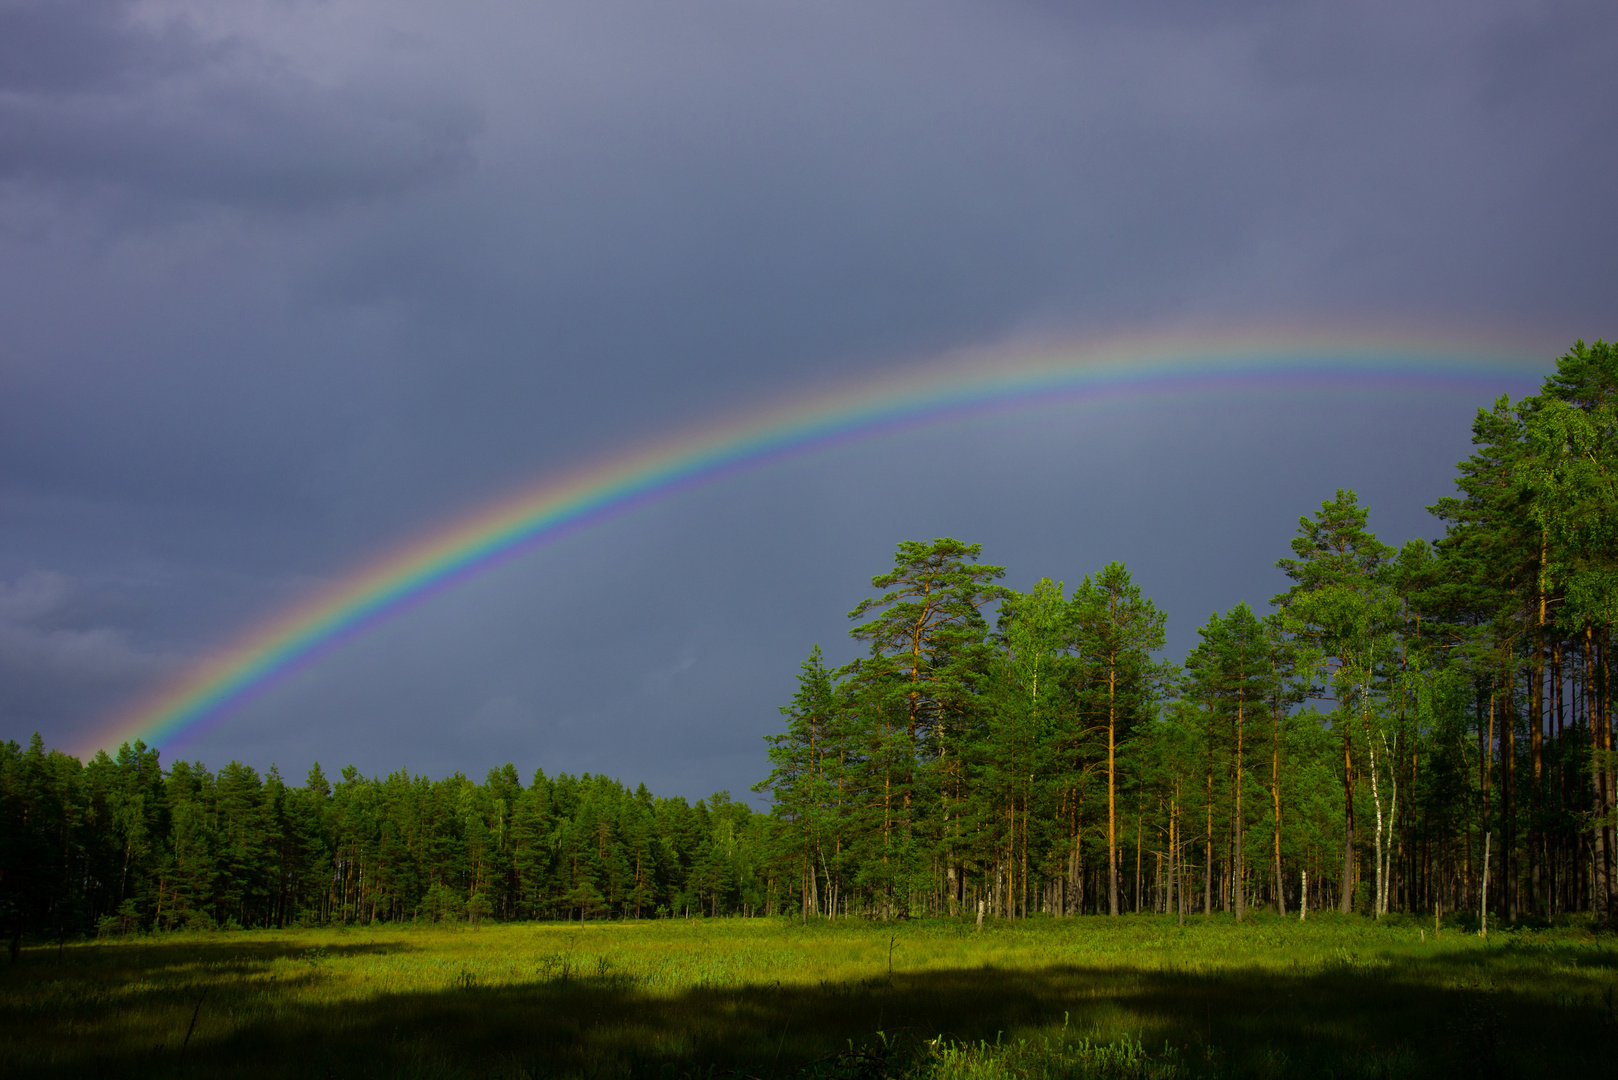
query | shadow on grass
(1471,1015)
(180,950)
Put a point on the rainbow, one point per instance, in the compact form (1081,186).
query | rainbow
(1160,365)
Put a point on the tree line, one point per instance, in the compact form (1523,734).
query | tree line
(117,844)
(1417,728)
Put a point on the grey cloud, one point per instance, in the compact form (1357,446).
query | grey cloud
(68,46)
(92,102)
(49,600)
(660,679)
(62,656)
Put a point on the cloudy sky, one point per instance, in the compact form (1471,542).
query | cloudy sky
(284,283)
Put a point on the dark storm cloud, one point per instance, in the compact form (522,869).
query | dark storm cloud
(282,283)
(92,100)
(85,46)
(63,649)
(747,188)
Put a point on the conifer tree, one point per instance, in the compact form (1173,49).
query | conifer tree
(1570,466)
(1340,609)
(1490,555)
(1232,670)
(1118,628)
(927,658)
(1018,743)
(805,781)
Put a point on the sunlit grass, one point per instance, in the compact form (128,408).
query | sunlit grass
(1136,997)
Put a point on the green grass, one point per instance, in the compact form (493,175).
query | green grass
(1135,997)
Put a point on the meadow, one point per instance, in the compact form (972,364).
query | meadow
(1131,997)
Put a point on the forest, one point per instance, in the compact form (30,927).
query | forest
(1422,728)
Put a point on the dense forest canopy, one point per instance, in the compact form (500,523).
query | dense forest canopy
(1422,728)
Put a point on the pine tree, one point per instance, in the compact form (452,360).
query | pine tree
(1570,467)
(1490,555)
(1340,609)
(1233,672)
(918,690)
(807,761)
(1118,628)
(1018,744)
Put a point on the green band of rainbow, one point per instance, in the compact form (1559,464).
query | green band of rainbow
(1161,365)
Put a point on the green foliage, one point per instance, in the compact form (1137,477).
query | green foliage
(953,768)
(118,846)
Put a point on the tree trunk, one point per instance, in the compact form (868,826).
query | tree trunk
(1139,825)
(1601,779)
(1485,756)
(1508,805)
(1535,739)
(1112,810)
(1207,855)
(1237,888)
(1275,793)
(1345,899)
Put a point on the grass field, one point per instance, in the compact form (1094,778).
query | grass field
(1135,997)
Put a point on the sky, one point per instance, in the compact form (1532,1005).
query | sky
(286,283)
